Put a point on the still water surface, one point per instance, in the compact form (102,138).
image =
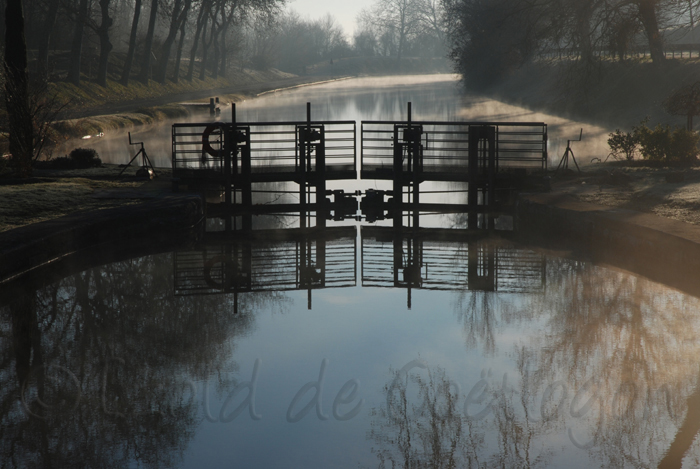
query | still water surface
(499,355)
(433,97)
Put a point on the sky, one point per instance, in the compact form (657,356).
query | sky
(344,11)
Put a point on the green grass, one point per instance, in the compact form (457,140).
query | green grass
(89,94)
(25,204)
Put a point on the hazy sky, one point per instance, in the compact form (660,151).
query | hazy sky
(344,11)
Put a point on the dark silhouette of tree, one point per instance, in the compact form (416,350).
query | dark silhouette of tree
(76,52)
(105,45)
(126,71)
(685,101)
(178,17)
(45,40)
(21,133)
(148,46)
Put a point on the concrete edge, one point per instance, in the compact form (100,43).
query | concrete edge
(27,248)
(302,85)
(664,250)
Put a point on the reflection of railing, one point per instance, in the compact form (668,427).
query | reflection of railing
(274,260)
(302,259)
(434,259)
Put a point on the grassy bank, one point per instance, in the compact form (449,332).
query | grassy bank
(618,95)
(90,98)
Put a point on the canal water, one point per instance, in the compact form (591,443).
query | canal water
(433,97)
(495,353)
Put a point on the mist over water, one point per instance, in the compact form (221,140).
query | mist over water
(434,97)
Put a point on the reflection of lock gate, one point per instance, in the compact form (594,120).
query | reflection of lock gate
(299,259)
(233,159)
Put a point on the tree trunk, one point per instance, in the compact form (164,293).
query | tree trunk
(647,13)
(227,22)
(223,62)
(146,64)
(178,17)
(178,56)
(44,40)
(132,44)
(205,47)
(76,51)
(201,21)
(105,45)
(21,138)
(583,31)
(26,336)
(217,55)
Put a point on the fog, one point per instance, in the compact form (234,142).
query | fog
(433,97)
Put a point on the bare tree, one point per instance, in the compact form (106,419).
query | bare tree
(649,18)
(148,46)
(126,71)
(400,18)
(178,16)
(178,56)
(45,39)
(76,52)
(202,18)
(105,45)
(17,90)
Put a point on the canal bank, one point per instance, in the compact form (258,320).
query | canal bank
(662,249)
(135,114)
(108,235)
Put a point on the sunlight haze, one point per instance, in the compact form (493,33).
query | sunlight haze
(344,12)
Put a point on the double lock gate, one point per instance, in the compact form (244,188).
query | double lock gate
(235,161)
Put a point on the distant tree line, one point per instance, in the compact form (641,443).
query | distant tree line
(164,40)
(68,39)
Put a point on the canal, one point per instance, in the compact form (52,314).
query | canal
(493,351)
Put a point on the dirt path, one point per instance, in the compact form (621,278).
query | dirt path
(666,192)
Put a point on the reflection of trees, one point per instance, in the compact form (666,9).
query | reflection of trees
(632,341)
(477,312)
(609,362)
(104,362)
(422,425)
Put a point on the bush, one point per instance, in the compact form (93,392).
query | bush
(623,143)
(677,146)
(662,144)
(85,158)
(80,158)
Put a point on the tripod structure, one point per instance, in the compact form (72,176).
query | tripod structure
(564,162)
(145,161)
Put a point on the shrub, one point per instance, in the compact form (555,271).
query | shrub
(684,146)
(665,145)
(85,158)
(80,158)
(623,143)
(654,144)
(662,144)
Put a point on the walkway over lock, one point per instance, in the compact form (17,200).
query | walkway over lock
(233,157)
(443,148)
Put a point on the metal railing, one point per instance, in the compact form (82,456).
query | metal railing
(445,145)
(274,146)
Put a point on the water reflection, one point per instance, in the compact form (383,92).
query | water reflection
(425,425)
(87,390)
(508,357)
